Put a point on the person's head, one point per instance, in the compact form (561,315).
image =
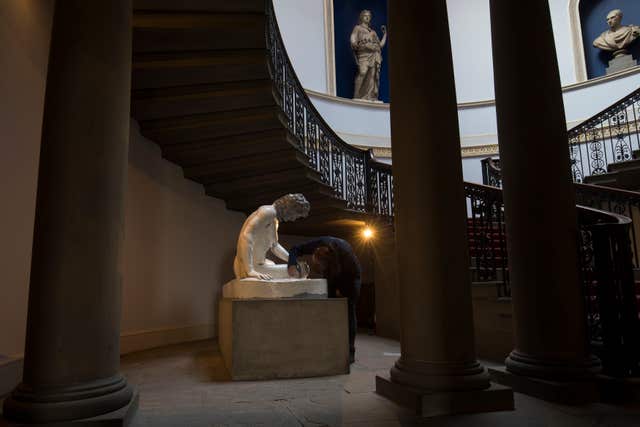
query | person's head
(291,207)
(614,19)
(365,16)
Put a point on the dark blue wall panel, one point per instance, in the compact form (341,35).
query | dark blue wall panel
(593,19)
(346,13)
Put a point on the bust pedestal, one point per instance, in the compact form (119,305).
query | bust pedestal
(621,62)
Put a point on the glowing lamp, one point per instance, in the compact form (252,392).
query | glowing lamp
(367,233)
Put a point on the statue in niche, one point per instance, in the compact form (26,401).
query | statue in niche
(259,234)
(367,49)
(616,39)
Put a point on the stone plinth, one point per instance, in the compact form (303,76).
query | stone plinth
(565,392)
(284,338)
(437,403)
(282,288)
(621,62)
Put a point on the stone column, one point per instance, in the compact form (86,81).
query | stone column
(539,197)
(72,353)
(438,359)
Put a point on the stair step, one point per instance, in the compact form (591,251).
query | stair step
(209,126)
(171,32)
(245,167)
(154,104)
(161,70)
(624,166)
(240,6)
(229,147)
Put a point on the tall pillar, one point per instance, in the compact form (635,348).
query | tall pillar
(539,198)
(72,353)
(438,362)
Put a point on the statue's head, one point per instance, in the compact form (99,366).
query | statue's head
(291,207)
(365,17)
(614,19)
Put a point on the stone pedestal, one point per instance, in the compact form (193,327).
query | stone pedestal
(564,392)
(283,288)
(433,404)
(621,62)
(284,338)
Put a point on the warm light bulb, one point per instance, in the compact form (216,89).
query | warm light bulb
(367,233)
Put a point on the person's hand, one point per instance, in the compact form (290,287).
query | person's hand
(257,275)
(384,29)
(293,271)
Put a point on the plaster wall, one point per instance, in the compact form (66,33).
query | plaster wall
(179,248)
(25,28)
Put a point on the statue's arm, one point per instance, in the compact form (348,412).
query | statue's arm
(245,244)
(280,252)
(384,36)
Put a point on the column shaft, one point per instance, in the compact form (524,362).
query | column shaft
(72,346)
(433,260)
(538,194)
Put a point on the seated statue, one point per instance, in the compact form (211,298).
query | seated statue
(259,234)
(618,37)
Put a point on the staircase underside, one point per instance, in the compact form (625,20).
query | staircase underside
(202,91)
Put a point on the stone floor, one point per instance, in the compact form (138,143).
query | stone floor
(186,386)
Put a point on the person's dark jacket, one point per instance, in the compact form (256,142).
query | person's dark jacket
(343,273)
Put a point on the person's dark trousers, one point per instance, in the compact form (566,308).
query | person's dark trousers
(353,326)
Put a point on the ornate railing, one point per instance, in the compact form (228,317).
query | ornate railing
(610,136)
(354,175)
(616,201)
(613,326)
(605,254)
(486,236)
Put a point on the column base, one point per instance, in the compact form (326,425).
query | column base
(109,402)
(566,392)
(120,418)
(433,404)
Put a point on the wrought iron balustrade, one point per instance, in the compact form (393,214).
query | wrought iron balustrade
(613,326)
(364,184)
(610,136)
(487,237)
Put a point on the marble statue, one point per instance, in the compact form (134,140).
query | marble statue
(259,234)
(367,49)
(616,39)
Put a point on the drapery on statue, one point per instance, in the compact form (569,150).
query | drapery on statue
(618,37)
(259,234)
(367,49)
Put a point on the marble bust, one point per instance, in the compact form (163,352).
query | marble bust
(618,37)
(259,234)
(367,50)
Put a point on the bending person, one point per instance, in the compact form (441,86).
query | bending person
(339,265)
(259,234)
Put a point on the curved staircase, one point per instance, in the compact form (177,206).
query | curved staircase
(213,87)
